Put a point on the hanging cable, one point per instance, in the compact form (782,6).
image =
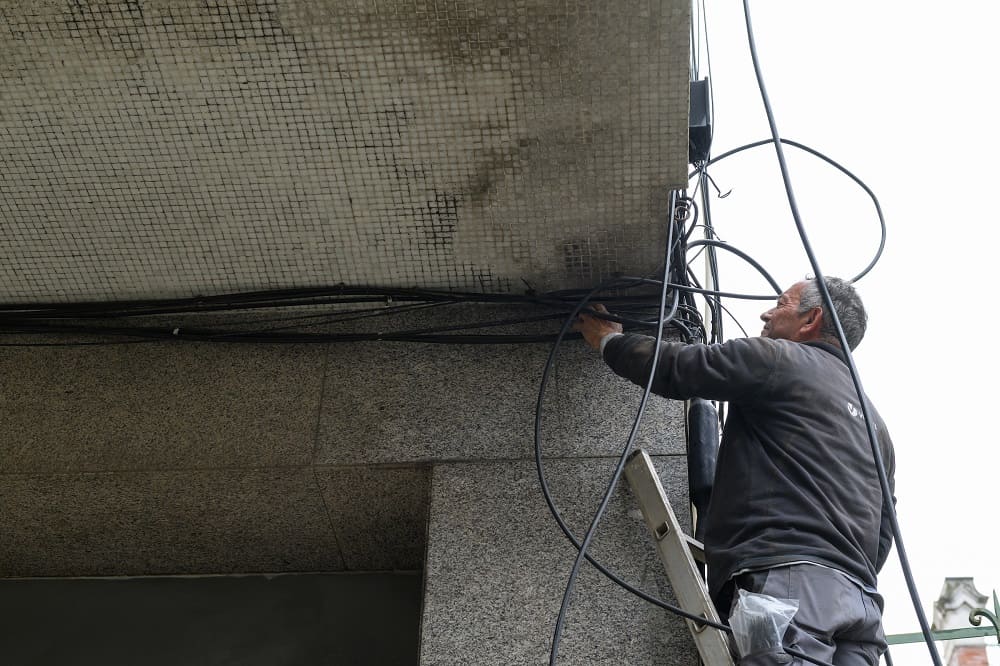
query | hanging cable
(546,491)
(836,165)
(821,283)
(606,499)
(713,302)
(743,255)
(582,546)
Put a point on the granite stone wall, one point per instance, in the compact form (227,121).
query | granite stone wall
(208,458)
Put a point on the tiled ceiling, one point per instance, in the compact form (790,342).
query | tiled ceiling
(161,149)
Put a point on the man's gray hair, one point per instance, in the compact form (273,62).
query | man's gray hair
(847,303)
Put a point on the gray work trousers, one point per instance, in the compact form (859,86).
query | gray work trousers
(837,621)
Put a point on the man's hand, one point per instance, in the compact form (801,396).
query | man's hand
(594,328)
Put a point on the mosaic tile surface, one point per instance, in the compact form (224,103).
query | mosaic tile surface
(170,149)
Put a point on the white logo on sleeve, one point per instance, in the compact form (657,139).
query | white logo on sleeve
(858,414)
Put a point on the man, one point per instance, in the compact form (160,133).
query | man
(797,510)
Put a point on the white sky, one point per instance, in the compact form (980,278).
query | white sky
(903,95)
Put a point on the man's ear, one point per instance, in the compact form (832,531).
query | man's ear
(813,324)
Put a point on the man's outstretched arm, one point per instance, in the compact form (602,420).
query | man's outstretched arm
(733,370)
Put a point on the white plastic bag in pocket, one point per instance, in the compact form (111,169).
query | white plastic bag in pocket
(759,622)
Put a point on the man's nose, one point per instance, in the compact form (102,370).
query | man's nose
(764,316)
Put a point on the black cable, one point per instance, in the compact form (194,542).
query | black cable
(778,290)
(724,294)
(440,329)
(52,318)
(339,317)
(102,343)
(72,319)
(743,255)
(723,308)
(546,492)
(202,335)
(338,294)
(821,283)
(560,620)
(286,299)
(708,60)
(694,214)
(713,303)
(836,165)
(713,292)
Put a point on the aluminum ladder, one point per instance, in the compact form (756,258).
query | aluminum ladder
(677,551)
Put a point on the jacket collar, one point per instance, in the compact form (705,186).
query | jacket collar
(827,347)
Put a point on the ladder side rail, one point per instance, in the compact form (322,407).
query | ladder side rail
(675,553)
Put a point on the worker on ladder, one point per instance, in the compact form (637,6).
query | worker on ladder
(797,510)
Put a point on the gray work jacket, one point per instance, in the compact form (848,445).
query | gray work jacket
(796,478)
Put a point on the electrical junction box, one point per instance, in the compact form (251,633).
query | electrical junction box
(700,122)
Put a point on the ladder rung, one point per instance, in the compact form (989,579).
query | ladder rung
(696,547)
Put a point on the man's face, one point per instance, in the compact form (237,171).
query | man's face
(783,321)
